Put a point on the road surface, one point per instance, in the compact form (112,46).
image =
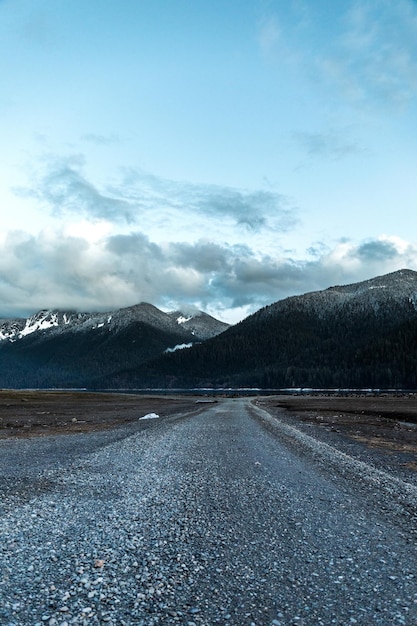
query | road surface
(218,517)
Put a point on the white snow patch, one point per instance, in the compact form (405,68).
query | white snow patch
(100,325)
(41,324)
(149,416)
(179,346)
(181,319)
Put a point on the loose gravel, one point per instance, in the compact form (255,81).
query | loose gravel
(199,521)
(387,489)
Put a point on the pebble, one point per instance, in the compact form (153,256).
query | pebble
(184,525)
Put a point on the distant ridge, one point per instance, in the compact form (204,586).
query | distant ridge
(68,349)
(362,335)
(199,324)
(358,335)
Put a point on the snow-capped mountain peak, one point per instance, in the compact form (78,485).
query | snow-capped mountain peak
(40,321)
(55,348)
(200,325)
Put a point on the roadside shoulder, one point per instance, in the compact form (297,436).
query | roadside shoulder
(386,490)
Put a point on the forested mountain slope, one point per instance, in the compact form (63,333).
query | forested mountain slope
(69,349)
(359,335)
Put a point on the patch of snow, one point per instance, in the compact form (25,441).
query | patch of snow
(109,319)
(377,287)
(179,346)
(40,324)
(181,319)
(100,325)
(149,416)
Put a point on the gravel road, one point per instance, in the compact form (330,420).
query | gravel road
(221,517)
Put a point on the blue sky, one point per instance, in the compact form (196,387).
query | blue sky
(218,154)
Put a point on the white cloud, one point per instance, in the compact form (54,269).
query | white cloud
(91,230)
(62,188)
(164,209)
(54,270)
(181,201)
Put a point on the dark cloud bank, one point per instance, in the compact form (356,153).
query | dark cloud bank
(69,272)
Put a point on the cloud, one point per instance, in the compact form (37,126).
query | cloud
(328,144)
(377,251)
(348,260)
(156,202)
(253,210)
(204,256)
(57,271)
(62,189)
(52,270)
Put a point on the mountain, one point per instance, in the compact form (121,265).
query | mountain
(199,324)
(358,335)
(70,349)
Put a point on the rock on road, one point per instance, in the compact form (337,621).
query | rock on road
(210,518)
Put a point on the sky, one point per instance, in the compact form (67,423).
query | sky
(218,154)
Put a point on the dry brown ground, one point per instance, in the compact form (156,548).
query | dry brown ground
(387,422)
(384,422)
(29,413)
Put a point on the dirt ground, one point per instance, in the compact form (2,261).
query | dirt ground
(384,422)
(29,413)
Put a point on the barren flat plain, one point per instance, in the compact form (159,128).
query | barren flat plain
(31,413)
